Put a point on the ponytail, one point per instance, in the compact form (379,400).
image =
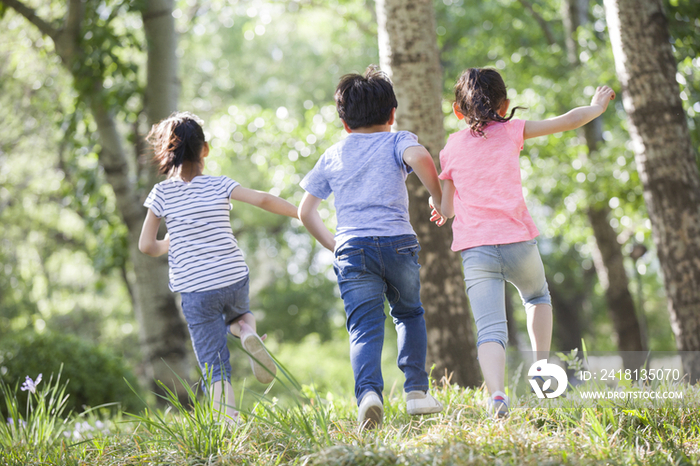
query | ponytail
(176,140)
(479,94)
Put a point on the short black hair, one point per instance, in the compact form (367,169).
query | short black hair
(365,100)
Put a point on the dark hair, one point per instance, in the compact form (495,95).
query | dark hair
(365,100)
(176,139)
(479,94)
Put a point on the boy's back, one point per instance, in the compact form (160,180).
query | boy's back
(367,175)
(376,250)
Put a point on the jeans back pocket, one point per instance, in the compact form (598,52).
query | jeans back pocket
(351,265)
(408,249)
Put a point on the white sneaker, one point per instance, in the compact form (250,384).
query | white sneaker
(420,402)
(499,405)
(261,362)
(370,412)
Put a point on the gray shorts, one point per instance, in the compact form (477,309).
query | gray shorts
(486,270)
(209,314)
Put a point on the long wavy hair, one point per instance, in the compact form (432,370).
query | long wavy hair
(479,94)
(175,140)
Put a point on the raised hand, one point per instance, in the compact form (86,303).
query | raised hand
(602,97)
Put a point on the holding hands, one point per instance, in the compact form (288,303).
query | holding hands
(435,214)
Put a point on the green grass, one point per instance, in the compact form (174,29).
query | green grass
(296,424)
(304,428)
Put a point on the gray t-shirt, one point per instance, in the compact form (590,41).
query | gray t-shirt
(367,175)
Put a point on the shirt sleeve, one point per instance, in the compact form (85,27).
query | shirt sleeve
(316,183)
(155,202)
(229,185)
(404,140)
(516,128)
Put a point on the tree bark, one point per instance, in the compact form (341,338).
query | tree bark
(408,52)
(665,159)
(612,276)
(162,330)
(607,254)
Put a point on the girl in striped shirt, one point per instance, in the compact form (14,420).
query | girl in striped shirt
(206,266)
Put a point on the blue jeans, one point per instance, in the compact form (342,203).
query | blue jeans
(209,314)
(368,270)
(486,270)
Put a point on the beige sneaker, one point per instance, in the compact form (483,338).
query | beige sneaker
(420,402)
(370,412)
(260,360)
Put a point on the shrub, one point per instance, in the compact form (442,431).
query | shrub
(94,376)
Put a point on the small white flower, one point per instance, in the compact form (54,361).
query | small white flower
(30,385)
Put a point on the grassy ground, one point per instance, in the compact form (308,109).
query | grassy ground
(303,428)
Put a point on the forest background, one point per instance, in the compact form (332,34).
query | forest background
(262,75)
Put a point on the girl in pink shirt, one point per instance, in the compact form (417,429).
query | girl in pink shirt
(492,227)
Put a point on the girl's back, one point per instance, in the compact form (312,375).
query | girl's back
(203,253)
(488,201)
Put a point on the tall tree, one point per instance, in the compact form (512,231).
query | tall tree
(163,333)
(665,158)
(607,252)
(408,52)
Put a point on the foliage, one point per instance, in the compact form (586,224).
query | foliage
(262,75)
(94,376)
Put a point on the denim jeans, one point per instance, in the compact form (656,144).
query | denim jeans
(486,270)
(368,270)
(208,315)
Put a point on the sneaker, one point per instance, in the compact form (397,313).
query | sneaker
(260,360)
(420,402)
(370,412)
(499,405)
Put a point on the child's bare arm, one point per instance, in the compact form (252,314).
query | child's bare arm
(572,119)
(448,199)
(149,243)
(265,201)
(308,214)
(418,158)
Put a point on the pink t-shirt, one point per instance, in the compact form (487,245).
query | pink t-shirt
(489,204)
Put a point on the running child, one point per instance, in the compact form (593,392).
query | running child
(375,247)
(493,229)
(206,266)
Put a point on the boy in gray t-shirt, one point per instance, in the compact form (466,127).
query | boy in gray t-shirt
(376,250)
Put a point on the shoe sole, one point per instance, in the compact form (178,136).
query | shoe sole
(426,410)
(263,366)
(373,418)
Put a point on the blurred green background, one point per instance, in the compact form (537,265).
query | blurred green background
(262,75)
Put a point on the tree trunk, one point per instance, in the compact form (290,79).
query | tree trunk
(665,159)
(408,52)
(612,276)
(162,330)
(566,308)
(607,254)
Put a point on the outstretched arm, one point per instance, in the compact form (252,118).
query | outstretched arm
(572,119)
(265,201)
(418,158)
(308,214)
(149,243)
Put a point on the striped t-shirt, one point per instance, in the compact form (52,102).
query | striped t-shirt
(203,253)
